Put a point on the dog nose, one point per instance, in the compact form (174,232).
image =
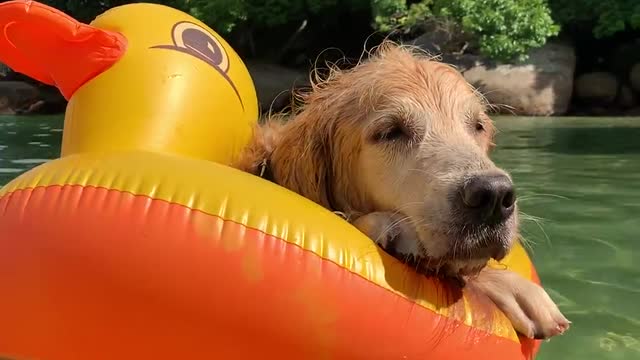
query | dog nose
(490,199)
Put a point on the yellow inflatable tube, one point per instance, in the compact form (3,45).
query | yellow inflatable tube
(140,243)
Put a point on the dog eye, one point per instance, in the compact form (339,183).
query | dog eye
(479,126)
(392,133)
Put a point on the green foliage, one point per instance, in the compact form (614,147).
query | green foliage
(606,18)
(223,14)
(271,13)
(391,15)
(500,29)
(83,10)
(503,29)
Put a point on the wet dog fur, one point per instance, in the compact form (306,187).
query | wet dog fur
(393,144)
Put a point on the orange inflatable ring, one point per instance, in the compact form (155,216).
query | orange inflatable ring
(137,243)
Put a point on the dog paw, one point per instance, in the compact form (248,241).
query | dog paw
(527,305)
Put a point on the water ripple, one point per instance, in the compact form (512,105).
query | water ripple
(10,170)
(30,161)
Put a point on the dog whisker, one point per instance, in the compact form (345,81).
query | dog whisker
(538,222)
(541,195)
(391,226)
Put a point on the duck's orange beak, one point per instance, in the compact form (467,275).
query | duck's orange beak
(50,46)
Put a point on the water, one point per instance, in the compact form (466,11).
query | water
(577,177)
(26,142)
(582,177)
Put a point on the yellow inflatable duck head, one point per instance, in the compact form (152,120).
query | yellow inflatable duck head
(142,77)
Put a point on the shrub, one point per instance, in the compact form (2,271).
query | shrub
(389,15)
(225,15)
(502,29)
(605,18)
(499,29)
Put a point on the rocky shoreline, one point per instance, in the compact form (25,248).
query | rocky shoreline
(549,83)
(20,95)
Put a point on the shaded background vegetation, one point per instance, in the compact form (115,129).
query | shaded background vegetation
(288,29)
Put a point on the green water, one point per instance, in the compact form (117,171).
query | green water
(578,177)
(582,177)
(26,142)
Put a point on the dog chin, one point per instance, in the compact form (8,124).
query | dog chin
(447,267)
(469,267)
(467,251)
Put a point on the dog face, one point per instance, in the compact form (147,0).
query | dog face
(403,133)
(403,138)
(424,151)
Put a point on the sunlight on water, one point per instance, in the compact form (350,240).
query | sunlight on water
(10,170)
(29,161)
(577,183)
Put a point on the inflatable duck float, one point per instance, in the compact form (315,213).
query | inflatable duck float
(139,243)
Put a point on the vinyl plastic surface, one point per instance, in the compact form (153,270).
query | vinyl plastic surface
(138,243)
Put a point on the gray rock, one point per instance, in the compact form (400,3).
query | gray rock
(5,108)
(15,95)
(622,58)
(600,87)
(18,97)
(540,86)
(633,111)
(274,84)
(626,97)
(4,70)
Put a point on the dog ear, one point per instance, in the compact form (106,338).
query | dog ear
(256,154)
(302,159)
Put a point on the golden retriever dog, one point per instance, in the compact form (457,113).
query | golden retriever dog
(400,146)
